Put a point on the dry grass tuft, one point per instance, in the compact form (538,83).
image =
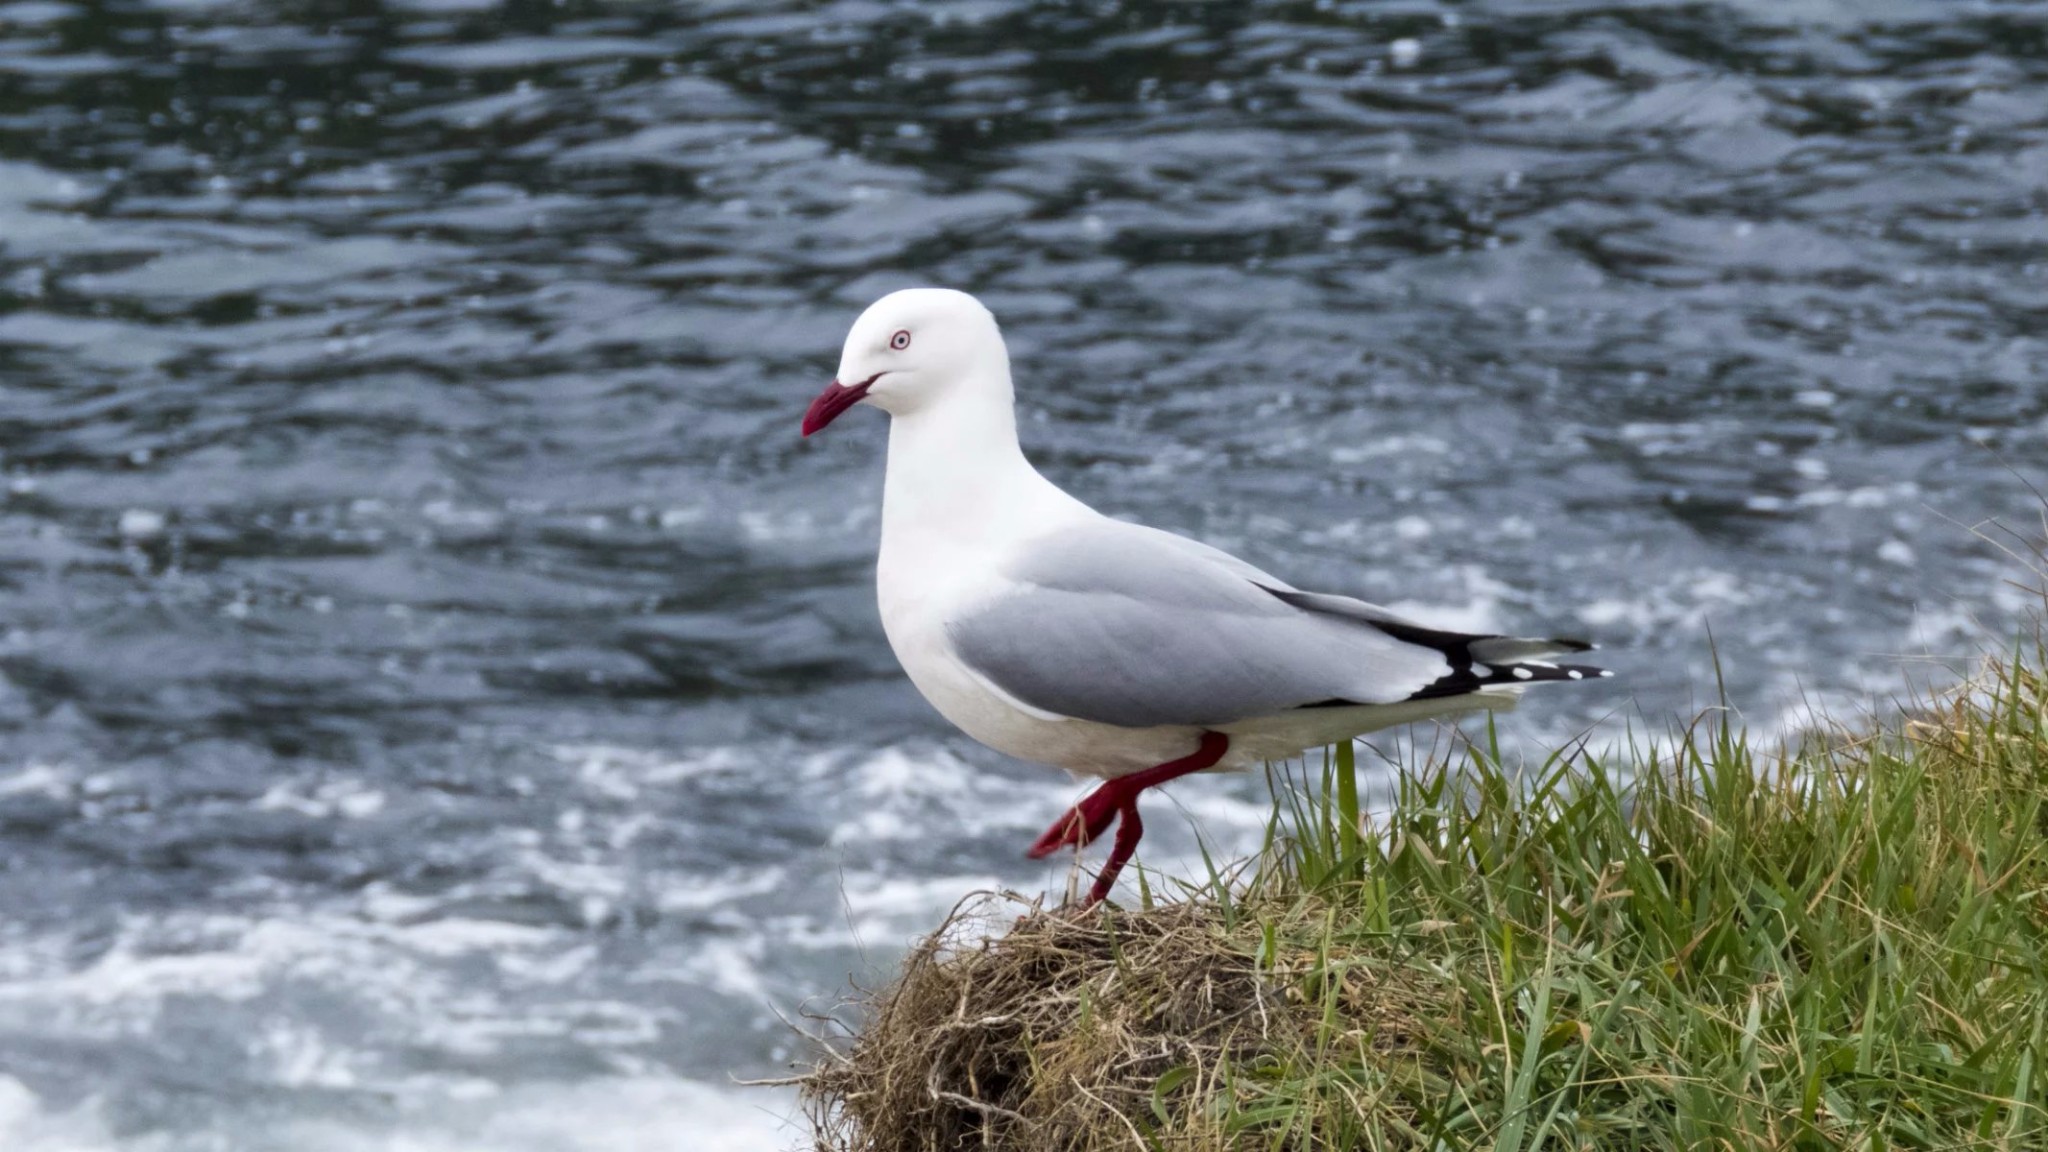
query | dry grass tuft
(1084,1030)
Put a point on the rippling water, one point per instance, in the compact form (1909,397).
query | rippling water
(441,701)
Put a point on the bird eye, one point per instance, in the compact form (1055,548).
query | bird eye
(900,340)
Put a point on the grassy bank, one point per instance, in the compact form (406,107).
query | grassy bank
(1844,946)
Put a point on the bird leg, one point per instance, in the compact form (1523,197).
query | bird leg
(1083,822)
(1118,797)
(1128,831)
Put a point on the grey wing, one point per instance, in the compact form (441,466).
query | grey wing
(1114,624)
(1195,549)
(1461,647)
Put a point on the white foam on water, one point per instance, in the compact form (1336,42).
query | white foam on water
(412,987)
(730,886)
(329,798)
(632,1115)
(1398,445)
(26,1125)
(621,773)
(141,524)
(402,970)
(457,935)
(890,910)
(902,792)
(731,965)
(40,779)
(1669,607)
(625,1114)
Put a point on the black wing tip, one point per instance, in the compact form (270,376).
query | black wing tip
(1468,681)
(1455,645)
(1480,675)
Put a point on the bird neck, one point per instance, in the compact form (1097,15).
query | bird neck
(958,477)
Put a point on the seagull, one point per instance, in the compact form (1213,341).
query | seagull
(1053,633)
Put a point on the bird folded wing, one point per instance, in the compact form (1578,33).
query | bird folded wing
(1122,625)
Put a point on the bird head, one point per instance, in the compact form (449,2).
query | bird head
(911,350)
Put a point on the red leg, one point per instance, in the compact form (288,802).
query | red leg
(1091,817)
(1128,831)
(1082,823)
(1119,796)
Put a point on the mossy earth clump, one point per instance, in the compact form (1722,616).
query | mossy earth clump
(1053,1034)
(1695,944)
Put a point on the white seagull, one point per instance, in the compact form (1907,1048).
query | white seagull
(1053,633)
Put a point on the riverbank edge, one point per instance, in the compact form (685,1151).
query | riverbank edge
(1693,942)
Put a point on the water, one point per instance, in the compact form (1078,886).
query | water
(443,703)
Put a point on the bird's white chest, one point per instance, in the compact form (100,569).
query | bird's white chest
(918,591)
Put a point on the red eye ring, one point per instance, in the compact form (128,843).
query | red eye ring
(900,340)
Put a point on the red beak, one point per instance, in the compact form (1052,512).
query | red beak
(836,398)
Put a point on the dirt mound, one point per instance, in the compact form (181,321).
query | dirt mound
(1084,1030)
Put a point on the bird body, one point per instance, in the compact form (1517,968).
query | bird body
(934,593)
(1053,633)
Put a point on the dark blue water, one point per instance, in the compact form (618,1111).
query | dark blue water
(441,700)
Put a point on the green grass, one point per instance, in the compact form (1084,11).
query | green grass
(1691,944)
(1698,946)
